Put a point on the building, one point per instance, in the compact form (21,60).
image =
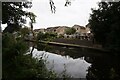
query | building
(51,29)
(61,30)
(80,32)
(88,30)
(39,30)
(79,29)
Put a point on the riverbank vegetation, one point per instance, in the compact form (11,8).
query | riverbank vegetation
(17,65)
(46,36)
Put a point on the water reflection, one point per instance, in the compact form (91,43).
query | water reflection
(76,68)
(82,63)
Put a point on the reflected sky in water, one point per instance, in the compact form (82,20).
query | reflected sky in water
(77,68)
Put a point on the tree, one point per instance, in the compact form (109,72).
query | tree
(17,65)
(70,31)
(25,31)
(14,16)
(46,36)
(53,7)
(105,24)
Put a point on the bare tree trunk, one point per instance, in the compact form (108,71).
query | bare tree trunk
(31,53)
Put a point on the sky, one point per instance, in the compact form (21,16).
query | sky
(78,13)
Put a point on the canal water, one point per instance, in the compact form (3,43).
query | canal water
(79,63)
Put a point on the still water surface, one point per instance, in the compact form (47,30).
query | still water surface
(76,68)
(80,63)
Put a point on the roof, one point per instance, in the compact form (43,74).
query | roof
(82,27)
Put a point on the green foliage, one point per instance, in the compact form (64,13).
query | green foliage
(46,36)
(11,47)
(41,36)
(14,16)
(50,36)
(17,65)
(12,11)
(25,31)
(32,16)
(70,31)
(61,36)
(105,24)
(43,47)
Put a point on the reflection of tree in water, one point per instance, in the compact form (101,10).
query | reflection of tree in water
(62,50)
(43,47)
(103,68)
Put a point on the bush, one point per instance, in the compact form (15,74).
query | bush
(46,36)
(70,31)
(17,65)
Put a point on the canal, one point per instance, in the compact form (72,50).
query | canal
(79,62)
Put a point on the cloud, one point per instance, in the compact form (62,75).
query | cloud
(77,13)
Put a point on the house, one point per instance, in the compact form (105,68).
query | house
(89,32)
(81,32)
(61,30)
(79,29)
(39,30)
(51,29)
(70,36)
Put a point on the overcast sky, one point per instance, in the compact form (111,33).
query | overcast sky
(77,13)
